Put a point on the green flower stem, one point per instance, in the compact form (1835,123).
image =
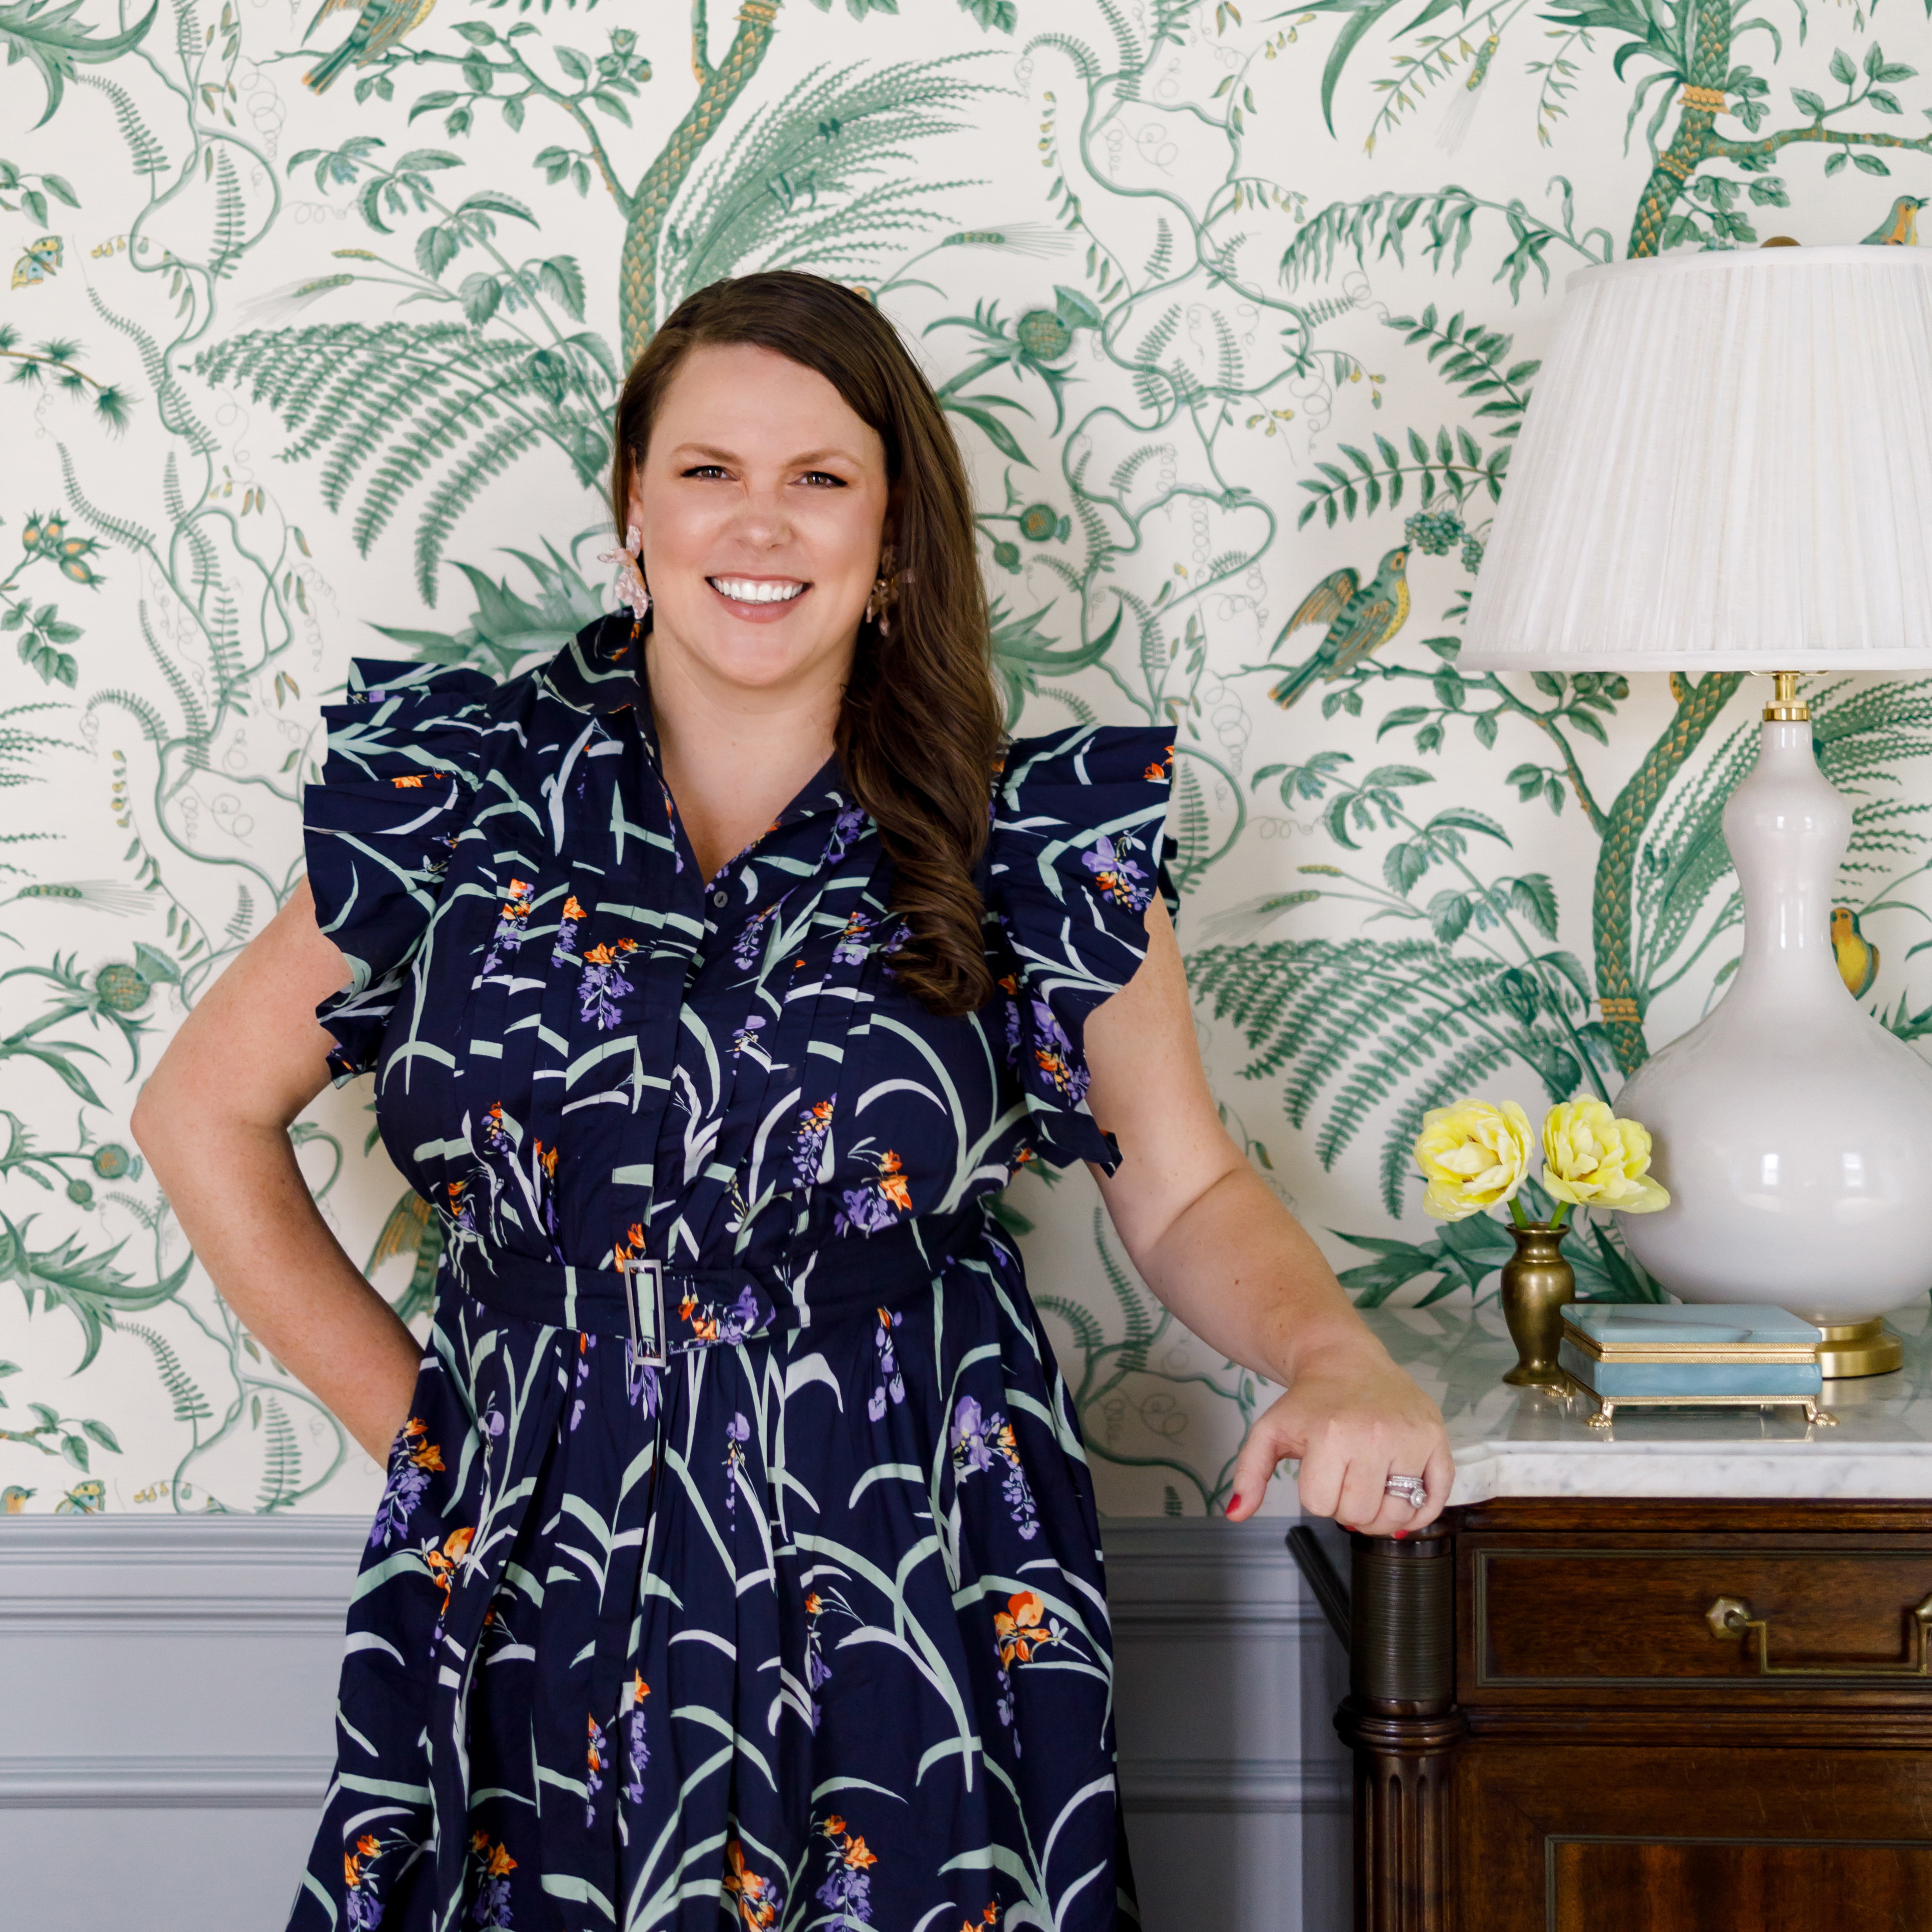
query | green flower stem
(1516,1214)
(1562,1214)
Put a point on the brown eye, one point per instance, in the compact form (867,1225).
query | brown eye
(824,476)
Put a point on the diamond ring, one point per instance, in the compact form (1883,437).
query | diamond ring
(1412,1489)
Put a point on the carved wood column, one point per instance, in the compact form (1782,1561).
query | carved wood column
(1401,1721)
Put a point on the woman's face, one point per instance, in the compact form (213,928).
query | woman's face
(761,504)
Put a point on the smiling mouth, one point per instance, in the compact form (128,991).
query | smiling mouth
(758,589)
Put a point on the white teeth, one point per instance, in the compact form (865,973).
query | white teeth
(756,590)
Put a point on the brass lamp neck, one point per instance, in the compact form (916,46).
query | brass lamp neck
(1786,706)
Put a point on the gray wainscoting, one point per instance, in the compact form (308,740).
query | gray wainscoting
(167,1688)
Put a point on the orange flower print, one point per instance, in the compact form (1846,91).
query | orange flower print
(443,1563)
(368,1845)
(494,1865)
(1155,773)
(758,1898)
(571,910)
(352,1870)
(1023,1628)
(869,1208)
(413,782)
(848,1889)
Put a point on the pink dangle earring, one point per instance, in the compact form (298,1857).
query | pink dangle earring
(631,588)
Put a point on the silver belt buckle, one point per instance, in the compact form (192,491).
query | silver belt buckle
(646,1311)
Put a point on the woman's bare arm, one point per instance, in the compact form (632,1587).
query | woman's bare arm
(213,1121)
(1215,1246)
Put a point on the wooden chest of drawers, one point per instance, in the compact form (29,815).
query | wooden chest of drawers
(1606,1716)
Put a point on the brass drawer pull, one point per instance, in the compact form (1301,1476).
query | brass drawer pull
(1731,1617)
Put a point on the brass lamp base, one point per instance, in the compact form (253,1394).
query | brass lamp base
(1859,1348)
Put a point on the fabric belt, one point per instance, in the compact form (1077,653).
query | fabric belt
(667,1310)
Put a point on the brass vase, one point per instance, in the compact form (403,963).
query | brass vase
(1537,1283)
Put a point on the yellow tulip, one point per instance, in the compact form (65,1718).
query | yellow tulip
(1593,1159)
(1475,1156)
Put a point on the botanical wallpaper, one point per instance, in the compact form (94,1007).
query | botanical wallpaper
(314,323)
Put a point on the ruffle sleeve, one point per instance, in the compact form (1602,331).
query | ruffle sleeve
(407,751)
(1076,854)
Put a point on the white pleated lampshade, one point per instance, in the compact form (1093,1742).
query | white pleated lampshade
(1727,465)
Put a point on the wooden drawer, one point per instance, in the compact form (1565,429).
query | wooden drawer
(1825,1617)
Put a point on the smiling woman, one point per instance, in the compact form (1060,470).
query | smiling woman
(739,1551)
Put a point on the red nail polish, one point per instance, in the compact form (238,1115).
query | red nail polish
(1399,1534)
(1234,1504)
(1349,1526)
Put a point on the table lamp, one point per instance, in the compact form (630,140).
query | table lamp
(1727,465)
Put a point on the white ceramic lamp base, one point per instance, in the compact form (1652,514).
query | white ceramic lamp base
(1793,1131)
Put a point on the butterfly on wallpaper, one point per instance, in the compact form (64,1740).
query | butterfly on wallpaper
(37,264)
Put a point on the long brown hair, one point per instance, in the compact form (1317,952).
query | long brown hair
(919,726)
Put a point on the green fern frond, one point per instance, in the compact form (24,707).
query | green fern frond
(145,154)
(281,1466)
(492,453)
(191,1406)
(134,535)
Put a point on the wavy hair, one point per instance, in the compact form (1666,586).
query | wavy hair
(920,724)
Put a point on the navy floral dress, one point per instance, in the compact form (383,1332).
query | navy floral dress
(793,1617)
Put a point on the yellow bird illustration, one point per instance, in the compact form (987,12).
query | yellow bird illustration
(15,1497)
(1360,617)
(379,26)
(1857,956)
(1900,229)
(87,1498)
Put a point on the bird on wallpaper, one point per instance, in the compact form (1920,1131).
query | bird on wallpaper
(379,26)
(87,1498)
(1857,956)
(1900,229)
(15,1497)
(1361,618)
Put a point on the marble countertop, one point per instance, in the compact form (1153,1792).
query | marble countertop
(1523,1442)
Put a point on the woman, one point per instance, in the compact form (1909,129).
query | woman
(738,1547)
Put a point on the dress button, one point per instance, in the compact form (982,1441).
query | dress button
(719,898)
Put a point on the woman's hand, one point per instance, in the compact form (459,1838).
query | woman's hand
(1353,1419)
(1211,1240)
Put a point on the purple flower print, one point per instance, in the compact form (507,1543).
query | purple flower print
(494,1865)
(808,1143)
(751,939)
(891,1382)
(363,1902)
(879,1204)
(593,1781)
(411,1462)
(980,1441)
(603,985)
(848,1891)
(852,946)
(845,830)
(585,1343)
(1053,1053)
(746,1038)
(817,1672)
(737,1433)
(641,1381)
(565,950)
(510,921)
(1116,875)
(636,1750)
